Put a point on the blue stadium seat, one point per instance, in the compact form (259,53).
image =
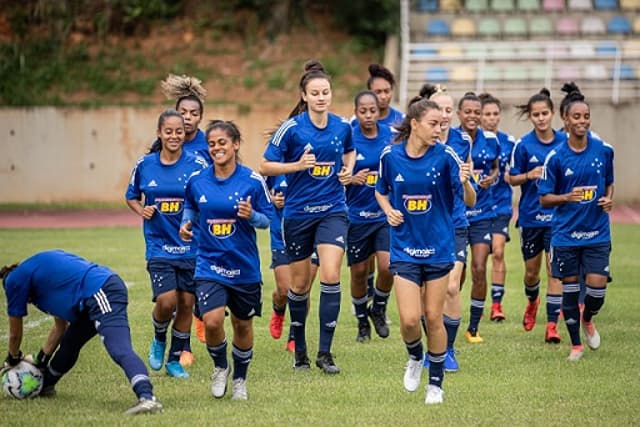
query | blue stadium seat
(438,28)
(430,51)
(619,25)
(427,5)
(605,4)
(626,72)
(606,49)
(437,75)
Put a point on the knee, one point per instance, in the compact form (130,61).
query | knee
(166,303)
(213,322)
(242,328)
(478,268)
(434,320)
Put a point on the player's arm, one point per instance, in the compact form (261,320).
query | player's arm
(145,212)
(273,168)
(58,328)
(606,201)
(469,193)
(15,340)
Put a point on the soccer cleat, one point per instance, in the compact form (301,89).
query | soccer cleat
(275,325)
(364,331)
(434,395)
(301,361)
(473,337)
(379,319)
(412,374)
(530,312)
(496,313)
(591,335)
(291,346)
(47,391)
(551,335)
(450,362)
(156,354)
(186,359)
(239,389)
(325,362)
(174,369)
(199,329)
(219,381)
(576,353)
(145,406)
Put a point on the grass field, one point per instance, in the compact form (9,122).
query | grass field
(514,378)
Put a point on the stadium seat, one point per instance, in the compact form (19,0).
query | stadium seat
(568,72)
(607,49)
(530,50)
(592,25)
(528,5)
(631,48)
(475,51)
(450,5)
(582,50)
(489,27)
(556,51)
(503,51)
(437,28)
(502,5)
(553,5)
(463,27)
(636,25)
(515,26)
(567,26)
(515,72)
(437,74)
(428,51)
(630,5)
(605,4)
(595,72)
(451,50)
(463,74)
(491,73)
(540,26)
(477,6)
(427,5)
(580,5)
(619,25)
(538,72)
(626,72)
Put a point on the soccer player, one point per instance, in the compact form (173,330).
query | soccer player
(161,177)
(503,195)
(368,232)
(418,182)
(382,82)
(578,182)
(227,201)
(92,299)
(485,152)
(313,148)
(534,220)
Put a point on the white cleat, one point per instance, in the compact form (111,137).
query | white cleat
(239,389)
(219,381)
(435,395)
(577,351)
(145,406)
(412,374)
(591,335)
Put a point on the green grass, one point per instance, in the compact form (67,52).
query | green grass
(514,378)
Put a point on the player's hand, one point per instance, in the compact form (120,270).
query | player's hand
(606,203)
(10,362)
(575,195)
(148,211)
(277,199)
(307,160)
(360,178)
(465,172)
(535,173)
(344,176)
(40,361)
(244,208)
(395,217)
(185,232)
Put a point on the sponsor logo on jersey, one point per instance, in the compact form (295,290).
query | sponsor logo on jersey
(317,209)
(584,235)
(544,217)
(419,252)
(588,193)
(322,170)
(417,204)
(170,206)
(224,271)
(372,179)
(176,250)
(221,228)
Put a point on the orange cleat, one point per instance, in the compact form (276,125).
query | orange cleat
(496,313)
(199,329)
(186,359)
(291,346)
(529,319)
(275,325)
(551,334)
(577,351)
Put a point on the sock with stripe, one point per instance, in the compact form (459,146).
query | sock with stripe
(415,350)
(241,359)
(554,305)
(329,310)
(279,310)
(218,354)
(178,340)
(476,309)
(570,310)
(436,368)
(497,292)
(160,329)
(360,306)
(298,313)
(532,291)
(593,301)
(380,300)
(451,325)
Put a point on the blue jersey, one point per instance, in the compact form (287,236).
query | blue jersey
(227,249)
(579,223)
(55,281)
(361,199)
(424,190)
(163,186)
(502,191)
(198,146)
(277,184)
(460,143)
(394,118)
(313,192)
(529,153)
(484,150)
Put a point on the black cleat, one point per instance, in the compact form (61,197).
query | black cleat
(47,391)
(364,331)
(379,320)
(325,362)
(301,361)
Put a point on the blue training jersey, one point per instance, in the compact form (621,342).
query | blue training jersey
(361,200)
(484,150)
(277,184)
(394,118)
(55,281)
(198,146)
(460,143)
(579,223)
(227,248)
(424,190)
(502,191)
(164,186)
(529,153)
(316,191)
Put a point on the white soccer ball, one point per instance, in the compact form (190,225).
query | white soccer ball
(22,381)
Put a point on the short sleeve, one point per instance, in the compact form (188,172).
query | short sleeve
(518,159)
(382,185)
(133,189)
(547,184)
(17,286)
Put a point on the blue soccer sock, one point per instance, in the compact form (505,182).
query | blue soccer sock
(476,309)
(178,340)
(415,350)
(436,368)
(218,354)
(329,310)
(241,360)
(380,300)
(532,292)
(371,280)
(570,310)
(160,329)
(554,305)
(360,306)
(451,325)
(593,301)
(497,292)
(298,313)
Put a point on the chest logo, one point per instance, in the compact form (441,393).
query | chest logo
(588,193)
(372,179)
(417,204)
(322,170)
(170,206)
(222,228)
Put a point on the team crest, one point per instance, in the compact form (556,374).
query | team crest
(478,175)
(170,206)
(417,204)
(589,193)
(322,170)
(372,179)
(221,228)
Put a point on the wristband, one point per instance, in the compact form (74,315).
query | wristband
(13,361)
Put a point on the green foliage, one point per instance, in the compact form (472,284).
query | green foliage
(369,21)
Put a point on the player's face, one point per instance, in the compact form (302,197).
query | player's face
(171,134)
(191,114)
(541,116)
(317,95)
(428,129)
(222,148)
(383,91)
(578,119)
(445,102)
(490,117)
(367,112)
(469,115)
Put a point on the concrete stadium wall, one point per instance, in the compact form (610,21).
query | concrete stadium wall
(70,155)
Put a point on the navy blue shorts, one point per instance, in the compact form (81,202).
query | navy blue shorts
(462,240)
(315,260)
(419,273)
(279,257)
(534,240)
(170,275)
(365,239)
(500,225)
(569,261)
(108,306)
(302,235)
(480,232)
(244,300)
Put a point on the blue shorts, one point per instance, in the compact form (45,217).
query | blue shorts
(419,273)
(365,239)
(500,225)
(315,260)
(567,261)
(279,257)
(302,235)
(108,306)
(534,240)
(170,275)
(480,232)
(462,240)
(244,301)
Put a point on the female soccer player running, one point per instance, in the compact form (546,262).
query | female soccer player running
(313,148)
(227,201)
(161,177)
(534,220)
(578,183)
(419,180)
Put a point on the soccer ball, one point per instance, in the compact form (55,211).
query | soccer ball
(22,381)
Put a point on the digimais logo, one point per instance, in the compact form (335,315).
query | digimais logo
(417,204)
(322,170)
(372,179)
(222,228)
(589,193)
(170,206)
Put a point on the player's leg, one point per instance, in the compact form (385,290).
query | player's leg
(532,245)
(282,277)
(164,285)
(384,282)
